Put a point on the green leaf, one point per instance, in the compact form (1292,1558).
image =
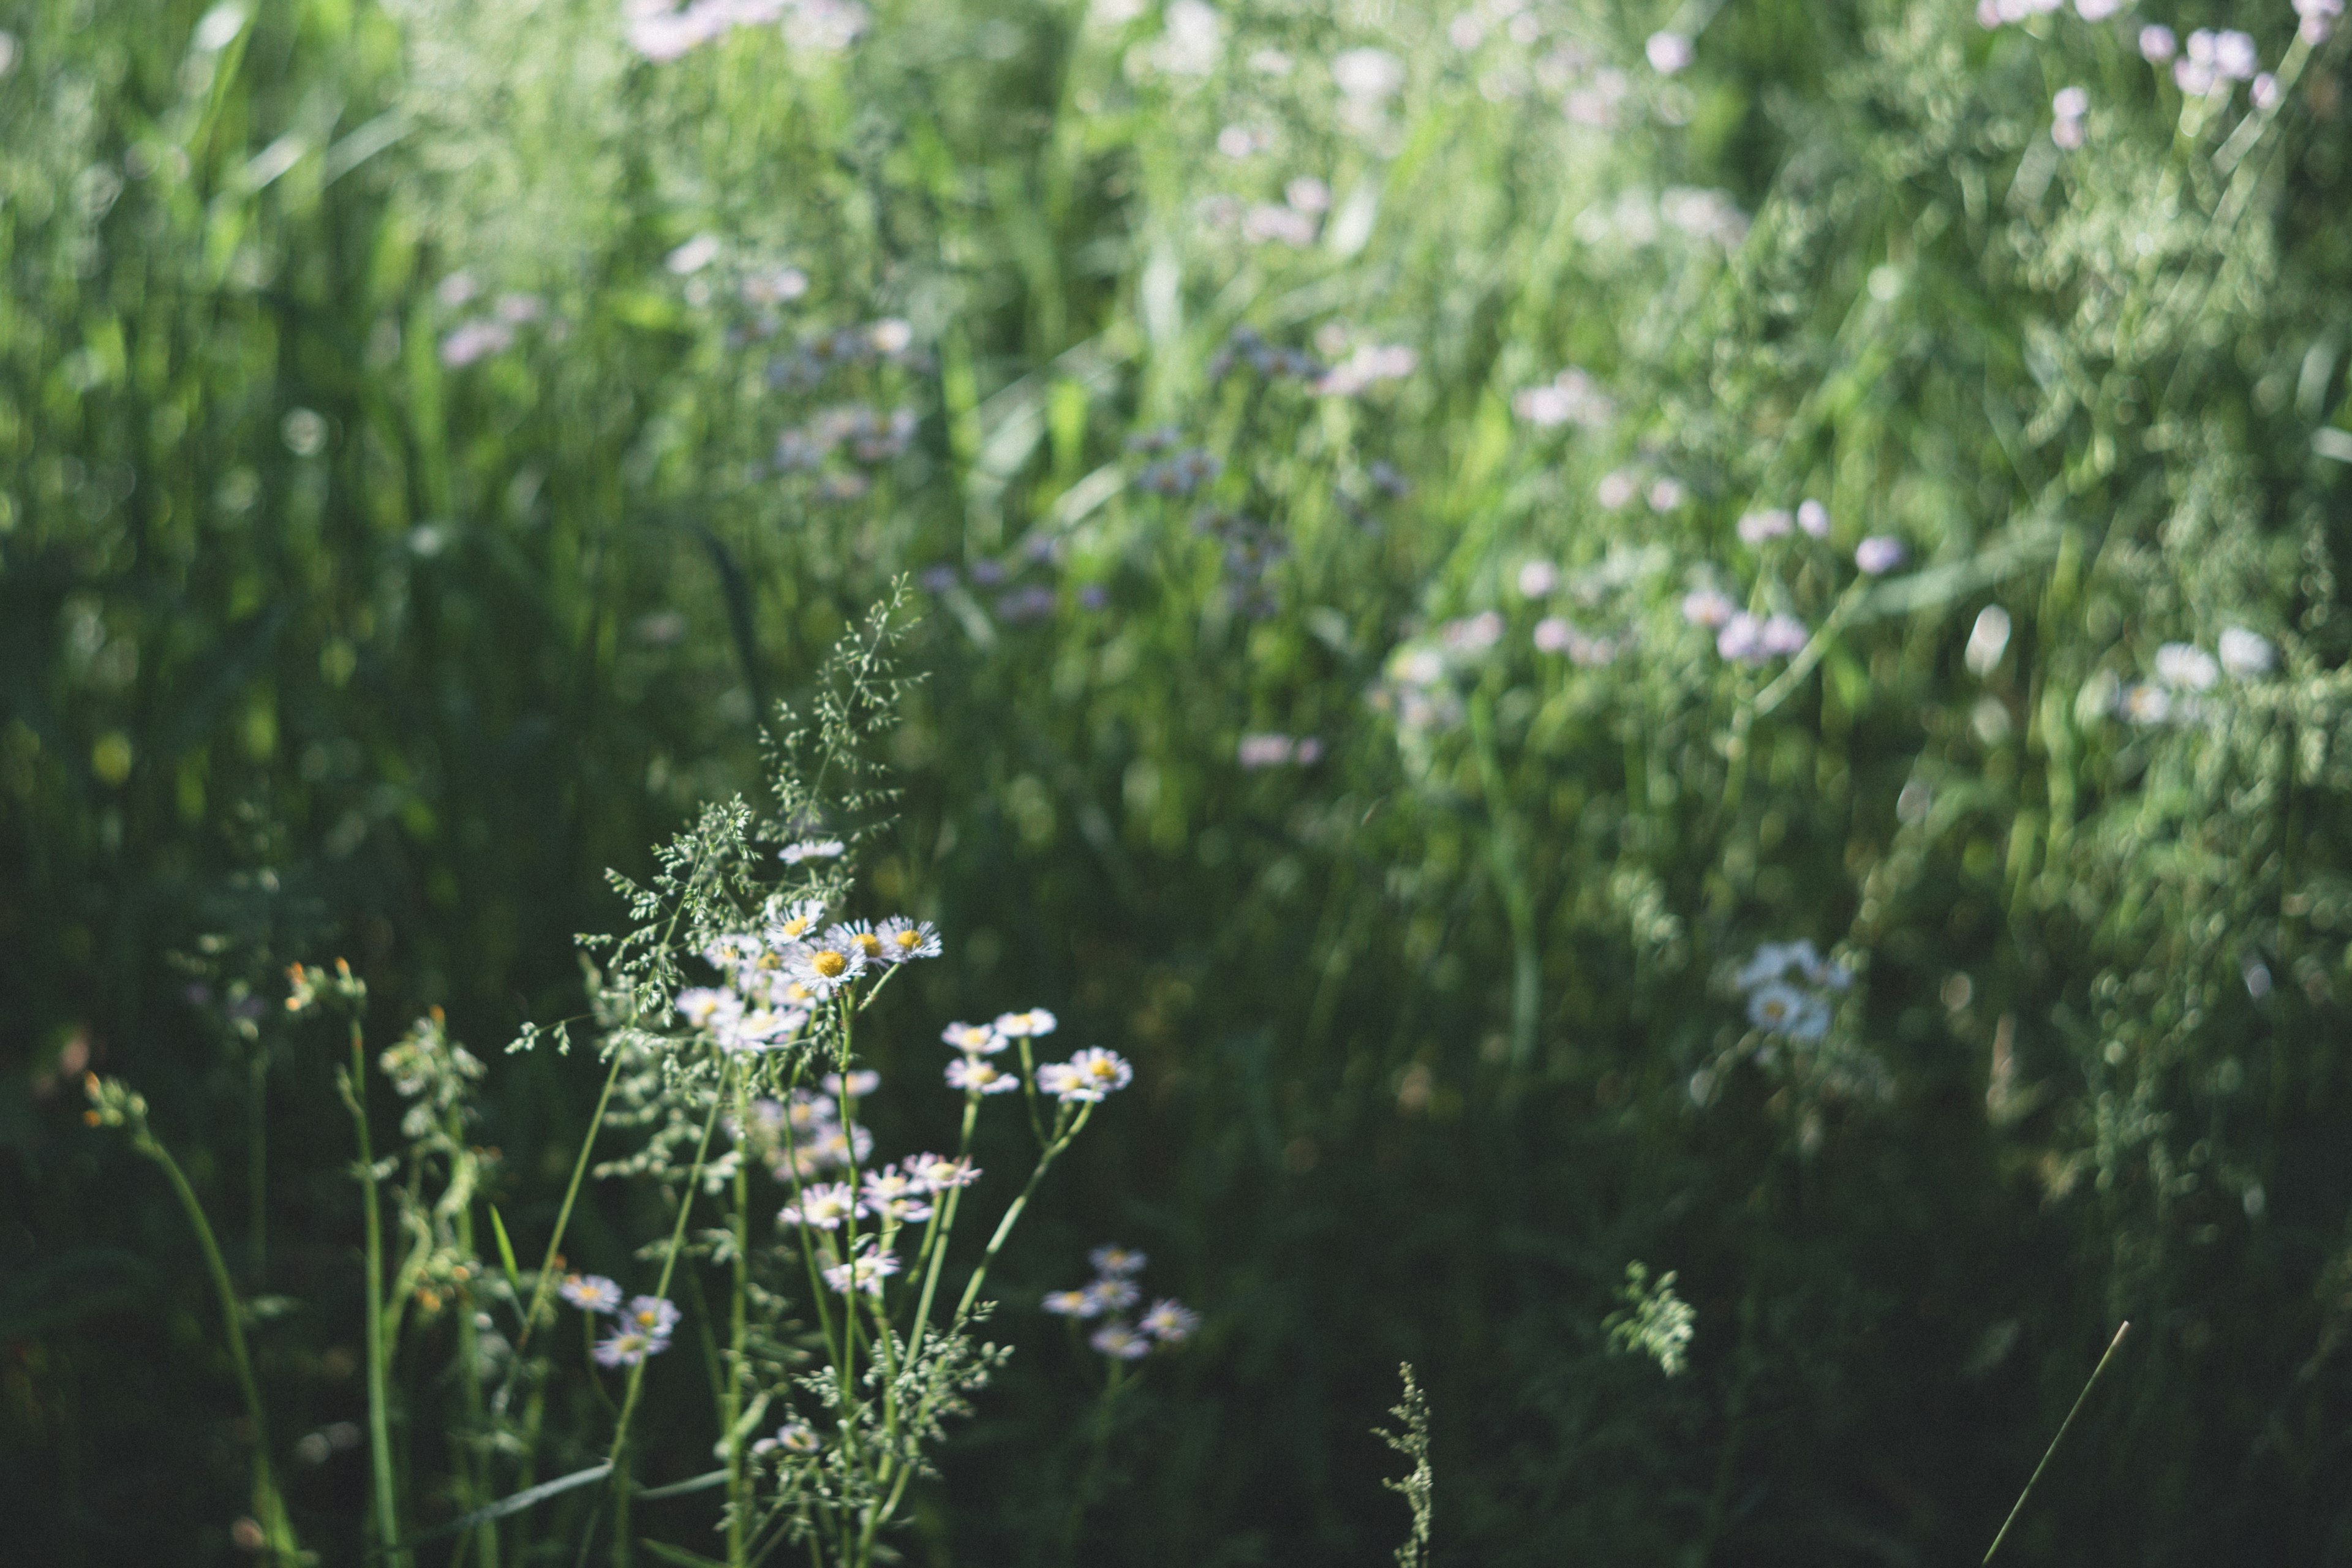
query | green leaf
(505,1250)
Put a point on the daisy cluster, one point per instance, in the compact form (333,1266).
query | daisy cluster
(1787,986)
(812,1138)
(1742,636)
(1111,1296)
(1089,1077)
(775,979)
(641,1331)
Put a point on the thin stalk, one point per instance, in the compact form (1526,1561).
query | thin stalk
(2063,1428)
(257,1163)
(379,1352)
(268,1507)
(935,1243)
(1013,1214)
(474,1465)
(563,1215)
(621,1542)
(738,1335)
(1097,1453)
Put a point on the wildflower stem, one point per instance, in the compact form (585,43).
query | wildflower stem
(935,1241)
(637,1373)
(738,1500)
(563,1214)
(379,1351)
(2063,1428)
(269,1507)
(1013,1214)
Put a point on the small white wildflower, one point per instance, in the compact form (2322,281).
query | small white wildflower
(1032,1024)
(942,1173)
(974,1076)
(1537,578)
(590,1292)
(2186,668)
(1669,53)
(811,849)
(861,1082)
(2071,103)
(627,1347)
(700,1006)
(1368,76)
(1878,555)
(974,1039)
(2156,44)
(821,1206)
(2144,703)
(1087,1078)
(1666,494)
(1114,1260)
(1121,1342)
(1708,608)
(1170,1322)
(904,941)
(1617,488)
(1112,1295)
(1988,640)
(652,1316)
(2246,654)
(1813,518)
(693,256)
(795,922)
(1758,526)
(1782,1009)
(864,1272)
(895,1195)
(1070,1304)
(826,964)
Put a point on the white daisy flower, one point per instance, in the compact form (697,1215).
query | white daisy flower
(811,849)
(700,1004)
(1121,1342)
(892,1194)
(836,1148)
(1785,1010)
(652,1316)
(1115,1261)
(1036,1021)
(941,1173)
(826,964)
(1170,1322)
(792,1438)
(904,940)
(860,1083)
(864,1272)
(1087,1078)
(821,1206)
(974,1039)
(977,1077)
(861,935)
(1071,1304)
(794,922)
(1111,1295)
(627,1347)
(590,1292)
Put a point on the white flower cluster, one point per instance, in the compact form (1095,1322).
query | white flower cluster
(776,979)
(1087,1078)
(643,1330)
(1110,1295)
(1787,986)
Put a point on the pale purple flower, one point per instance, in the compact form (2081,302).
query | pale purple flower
(1878,555)
(1472,634)
(1666,494)
(2097,10)
(1121,1342)
(861,1082)
(474,341)
(1112,1293)
(1537,578)
(2318,19)
(1170,1322)
(627,1347)
(1669,53)
(1741,639)
(896,1195)
(590,1292)
(1112,1260)
(1266,223)
(1758,526)
(651,1315)
(1552,635)
(693,256)
(1071,1304)
(942,1173)
(2264,91)
(1781,635)
(2156,44)
(2071,103)
(1813,518)
(2067,134)
(1617,488)
(1708,608)
(1266,751)
(2235,56)
(1308,194)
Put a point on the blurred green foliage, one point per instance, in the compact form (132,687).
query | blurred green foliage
(392,538)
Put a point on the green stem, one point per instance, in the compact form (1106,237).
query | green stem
(270,1509)
(637,1373)
(738,1500)
(1013,1214)
(257,1166)
(387,1501)
(935,1241)
(563,1215)
(2063,1428)
(474,1462)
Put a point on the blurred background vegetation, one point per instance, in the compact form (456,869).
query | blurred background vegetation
(432,436)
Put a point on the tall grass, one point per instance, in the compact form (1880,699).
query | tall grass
(400,528)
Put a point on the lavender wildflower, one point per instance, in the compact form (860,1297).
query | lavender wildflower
(1170,1322)
(1878,555)
(866,1271)
(1087,1078)
(975,1040)
(590,1292)
(1115,1261)
(1121,1342)
(974,1076)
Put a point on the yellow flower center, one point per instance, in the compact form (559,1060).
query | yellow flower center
(795,928)
(829,963)
(871,944)
(906,938)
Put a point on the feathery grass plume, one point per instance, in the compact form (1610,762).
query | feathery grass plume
(1418,1487)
